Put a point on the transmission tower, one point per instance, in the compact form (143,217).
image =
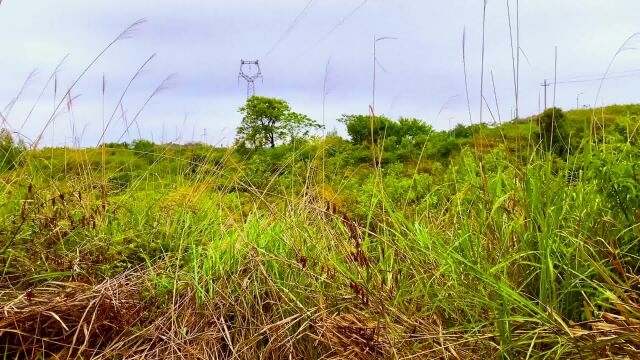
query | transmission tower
(250,71)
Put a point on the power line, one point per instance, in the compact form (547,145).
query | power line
(599,76)
(342,21)
(291,27)
(598,79)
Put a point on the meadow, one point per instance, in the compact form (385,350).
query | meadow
(485,241)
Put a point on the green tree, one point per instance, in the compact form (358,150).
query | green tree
(267,121)
(144,149)
(462,131)
(360,130)
(465,132)
(554,131)
(143,146)
(299,125)
(413,128)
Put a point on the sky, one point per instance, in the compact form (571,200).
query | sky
(318,55)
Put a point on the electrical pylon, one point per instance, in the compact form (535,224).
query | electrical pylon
(250,74)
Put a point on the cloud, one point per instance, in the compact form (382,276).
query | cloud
(203,42)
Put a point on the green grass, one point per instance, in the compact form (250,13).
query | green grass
(200,252)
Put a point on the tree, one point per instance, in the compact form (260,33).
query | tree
(464,132)
(360,130)
(413,128)
(144,149)
(554,132)
(299,125)
(461,131)
(143,146)
(267,121)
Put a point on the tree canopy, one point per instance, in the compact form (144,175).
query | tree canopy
(360,129)
(268,121)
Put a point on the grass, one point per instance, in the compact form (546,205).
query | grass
(488,257)
(470,244)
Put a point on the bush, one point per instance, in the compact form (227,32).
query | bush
(10,151)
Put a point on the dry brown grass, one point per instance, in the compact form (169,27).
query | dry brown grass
(66,320)
(115,319)
(111,320)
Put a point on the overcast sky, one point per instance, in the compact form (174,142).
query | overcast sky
(201,42)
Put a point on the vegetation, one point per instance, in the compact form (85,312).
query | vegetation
(9,151)
(269,120)
(402,241)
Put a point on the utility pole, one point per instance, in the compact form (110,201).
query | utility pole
(539,111)
(248,73)
(545,84)
(578,101)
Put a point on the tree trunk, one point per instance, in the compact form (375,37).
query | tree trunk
(272,131)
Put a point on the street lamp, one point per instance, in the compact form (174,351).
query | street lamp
(375,63)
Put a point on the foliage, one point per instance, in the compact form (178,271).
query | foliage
(476,244)
(554,131)
(359,128)
(143,146)
(10,151)
(268,121)
(366,129)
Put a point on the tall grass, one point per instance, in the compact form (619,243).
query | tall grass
(501,260)
(191,251)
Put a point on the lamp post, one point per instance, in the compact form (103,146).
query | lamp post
(375,63)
